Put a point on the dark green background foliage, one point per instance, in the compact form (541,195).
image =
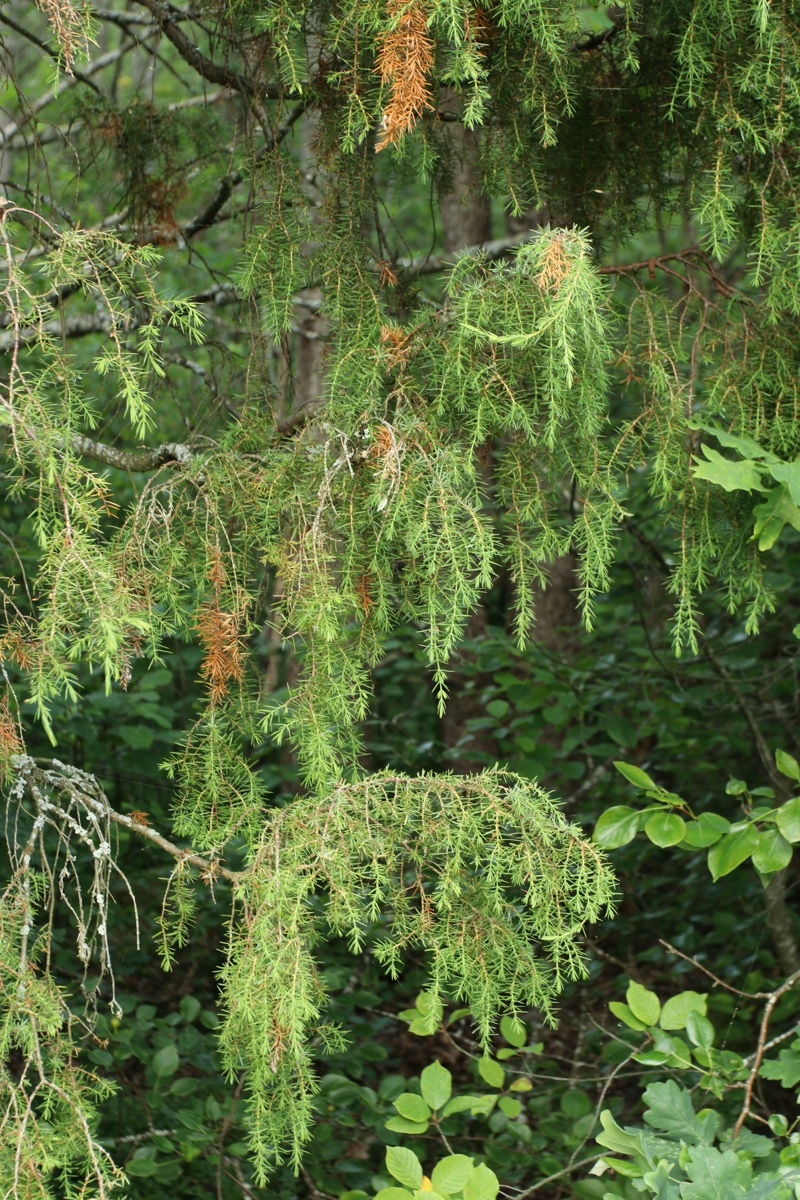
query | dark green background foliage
(398,545)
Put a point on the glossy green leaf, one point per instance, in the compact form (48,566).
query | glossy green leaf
(665,829)
(731,851)
(636,776)
(788,765)
(705,831)
(772,853)
(617,826)
(787,818)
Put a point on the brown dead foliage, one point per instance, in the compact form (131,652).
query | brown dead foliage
(218,631)
(405,60)
(397,343)
(555,266)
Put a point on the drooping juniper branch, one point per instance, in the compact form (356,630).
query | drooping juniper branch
(31,37)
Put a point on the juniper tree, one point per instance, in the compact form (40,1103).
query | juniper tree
(469,414)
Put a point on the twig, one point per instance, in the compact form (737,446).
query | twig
(210,70)
(720,982)
(568,1170)
(759,1054)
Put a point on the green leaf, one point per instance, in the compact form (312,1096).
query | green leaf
(402,1125)
(461,1104)
(785,1068)
(138,737)
(392,1193)
(618,1140)
(429,1005)
(644,1004)
(520,1085)
(491,1072)
(731,851)
(514,1031)
(670,1110)
(771,517)
(482,1184)
(617,826)
(623,1013)
(190,1008)
(412,1107)
(636,776)
(404,1166)
(436,1085)
(665,829)
(788,765)
(772,853)
(727,473)
(166,1061)
(675,1012)
(713,1175)
(141,1167)
(787,818)
(700,1030)
(705,831)
(745,446)
(451,1173)
(735,787)
(510,1106)
(789,475)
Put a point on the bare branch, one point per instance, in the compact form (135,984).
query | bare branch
(104,60)
(207,217)
(132,460)
(210,70)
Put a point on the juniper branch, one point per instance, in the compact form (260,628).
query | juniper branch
(132,460)
(31,37)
